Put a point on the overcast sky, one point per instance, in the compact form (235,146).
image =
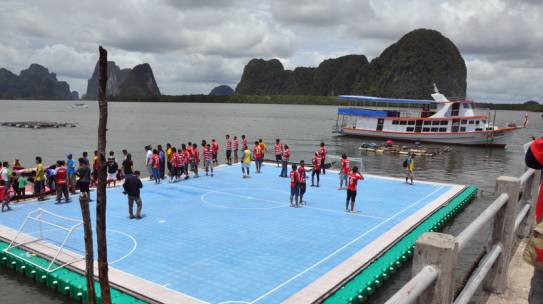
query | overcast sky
(194,45)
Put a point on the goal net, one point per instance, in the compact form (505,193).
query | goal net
(57,238)
(335,162)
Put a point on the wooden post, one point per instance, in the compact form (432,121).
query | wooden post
(531,198)
(89,251)
(439,250)
(101,187)
(502,232)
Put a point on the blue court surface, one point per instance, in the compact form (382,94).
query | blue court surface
(225,239)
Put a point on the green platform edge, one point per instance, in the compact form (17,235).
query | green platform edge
(364,284)
(63,280)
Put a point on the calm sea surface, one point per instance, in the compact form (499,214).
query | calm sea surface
(134,125)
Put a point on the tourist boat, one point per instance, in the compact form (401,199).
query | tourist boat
(79,106)
(441,120)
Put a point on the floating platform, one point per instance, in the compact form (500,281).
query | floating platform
(225,239)
(418,150)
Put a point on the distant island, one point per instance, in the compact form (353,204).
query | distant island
(222,90)
(33,83)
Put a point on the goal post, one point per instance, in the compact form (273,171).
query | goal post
(43,229)
(335,161)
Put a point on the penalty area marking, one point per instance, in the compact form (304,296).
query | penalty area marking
(343,247)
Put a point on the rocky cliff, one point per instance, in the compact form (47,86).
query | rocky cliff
(136,82)
(406,69)
(33,83)
(222,90)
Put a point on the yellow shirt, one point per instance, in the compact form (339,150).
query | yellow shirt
(246,156)
(40,173)
(169,154)
(411,165)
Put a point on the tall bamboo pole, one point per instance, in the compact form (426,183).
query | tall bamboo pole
(101,188)
(89,251)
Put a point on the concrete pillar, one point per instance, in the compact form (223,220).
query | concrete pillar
(439,250)
(502,232)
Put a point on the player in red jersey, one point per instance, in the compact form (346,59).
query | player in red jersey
(259,156)
(155,163)
(186,160)
(316,169)
(244,142)
(294,186)
(236,148)
(323,151)
(195,159)
(208,158)
(302,177)
(284,158)
(228,150)
(175,165)
(278,151)
(344,172)
(215,151)
(354,177)
(61,182)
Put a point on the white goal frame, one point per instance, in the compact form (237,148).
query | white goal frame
(36,215)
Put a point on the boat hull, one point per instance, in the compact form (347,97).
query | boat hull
(496,138)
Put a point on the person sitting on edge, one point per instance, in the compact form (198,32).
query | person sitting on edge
(302,177)
(344,172)
(278,151)
(294,186)
(354,177)
(228,150)
(316,169)
(322,153)
(132,185)
(409,165)
(4,197)
(61,182)
(17,165)
(245,162)
(285,157)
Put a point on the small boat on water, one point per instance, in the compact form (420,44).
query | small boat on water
(79,106)
(436,121)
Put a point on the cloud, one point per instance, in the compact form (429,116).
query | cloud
(193,45)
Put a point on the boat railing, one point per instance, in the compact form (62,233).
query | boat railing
(436,254)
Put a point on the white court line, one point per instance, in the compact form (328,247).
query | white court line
(275,202)
(342,247)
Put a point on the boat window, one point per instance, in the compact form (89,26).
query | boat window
(434,129)
(466,105)
(471,122)
(442,129)
(394,122)
(477,122)
(403,122)
(410,129)
(425,129)
(464,121)
(427,122)
(410,122)
(462,129)
(435,123)
(478,129)
(444,122)
(484,122)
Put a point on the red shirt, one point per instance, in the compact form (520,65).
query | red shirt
(353,181)
(60,175)
(215,147)
(196,155)
(207,154)
(244,143)
(236,144)
(294,178)
(323,151)
(155,161)
(278,149)
(2,193)
(229,144)
(345,166)
(257,150)
(301,175)
(316,163)
(176,160)
(186,156)
(286,154)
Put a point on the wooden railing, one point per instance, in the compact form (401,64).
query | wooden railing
(436,254)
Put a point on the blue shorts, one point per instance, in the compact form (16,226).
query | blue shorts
(294,190)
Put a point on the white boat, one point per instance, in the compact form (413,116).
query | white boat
(79,106)
(435,121)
